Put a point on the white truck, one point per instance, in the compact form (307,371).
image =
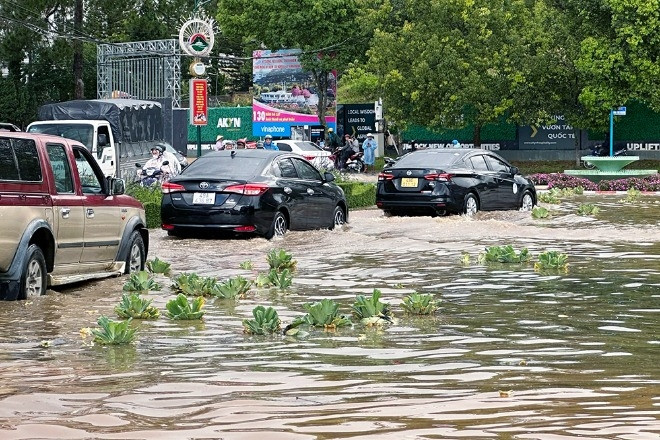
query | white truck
(118,132)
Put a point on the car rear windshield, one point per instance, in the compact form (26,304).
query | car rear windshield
(307,146)
(19,160)
(427,159)
(224,167)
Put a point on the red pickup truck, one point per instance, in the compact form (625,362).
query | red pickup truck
(61,220)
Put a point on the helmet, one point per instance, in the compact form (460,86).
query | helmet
(454,142)
(330,130)
(369,135)
(158,147)
(268,137)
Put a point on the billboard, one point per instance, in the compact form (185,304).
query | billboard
(199,110)
(356,119)
(285,95)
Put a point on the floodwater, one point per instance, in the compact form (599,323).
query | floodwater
(511,354)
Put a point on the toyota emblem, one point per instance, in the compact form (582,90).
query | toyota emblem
(408,173)
(204,185)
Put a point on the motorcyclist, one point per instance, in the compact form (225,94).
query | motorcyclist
(157,161)
(268,143)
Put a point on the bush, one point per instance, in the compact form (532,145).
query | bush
(359,194)
(150,197)
(559,180)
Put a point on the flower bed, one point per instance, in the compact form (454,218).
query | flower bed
(560,181)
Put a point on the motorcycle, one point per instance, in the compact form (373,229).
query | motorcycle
(601,150)
(150,176)
(354,163)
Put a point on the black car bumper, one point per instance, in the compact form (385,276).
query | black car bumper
(430,204)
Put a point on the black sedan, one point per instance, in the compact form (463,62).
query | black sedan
(461,181)
(251,191)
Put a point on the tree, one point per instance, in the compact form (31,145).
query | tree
(327,31)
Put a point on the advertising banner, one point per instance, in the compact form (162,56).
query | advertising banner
(285,95)
(556,135)
(356,119)
(199,111)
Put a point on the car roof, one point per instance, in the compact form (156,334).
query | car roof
(45,137)
(247,152)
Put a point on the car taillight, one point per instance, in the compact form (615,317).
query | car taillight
(169,187)
(385,176)
(440,177)
(310,157)
(248,189)
(248,228)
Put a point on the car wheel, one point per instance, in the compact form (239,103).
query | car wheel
(278,227)
(33,277)
(471,206)
(338,217)
(527,202)
(136,254)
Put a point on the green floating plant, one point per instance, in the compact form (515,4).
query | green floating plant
(113,332)
(191,284)
(371,307)
(265,322)
(274,278)
(279,260)
(247,265)
(420,304)
(325,313)
(551,260)
(465,259)
(503,254)
(551,196)
(632,196)
(539,212)
(233,288)
(140,282)
(182,309)
(134,306)
(158,266)
(587,209)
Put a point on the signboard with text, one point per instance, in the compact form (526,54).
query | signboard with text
(199,110)
(555,135)
(356,119)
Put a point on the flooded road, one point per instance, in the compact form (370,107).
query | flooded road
(511,354)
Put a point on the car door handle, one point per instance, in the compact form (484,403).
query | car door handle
(288,190)
(65,212)
(310,191)
(90,213)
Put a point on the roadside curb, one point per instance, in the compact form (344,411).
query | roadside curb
(646,193)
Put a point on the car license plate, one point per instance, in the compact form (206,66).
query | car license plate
(204,198)
(409,182)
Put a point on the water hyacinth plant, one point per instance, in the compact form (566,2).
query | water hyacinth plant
(551,260)
(325,313)
(113,332)
(539,212)
(420,304)
(503,254)
(182,309)
(551,196)
(632,196)
(247,265)
(140,282)
(191,284)
(279,260)
(265,322)
(232,288)
(587,209)
(365,308)
(158,266)
(136,307)
(464,259)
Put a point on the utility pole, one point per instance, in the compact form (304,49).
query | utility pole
(79,85)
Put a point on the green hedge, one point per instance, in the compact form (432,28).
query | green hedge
(359,194)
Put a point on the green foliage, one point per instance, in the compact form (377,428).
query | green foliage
(265,321)
(420,304)
(134,306)
(158,266)
(113,332)
(325,314)
(150,197)
(551,196)
(503,254)
(632,196)
(279,259)
(359,194)
(140,282)
(232,288)
(182,309)
(551,260)
(191,284)
(587,209)
(367,307)
(247,265)
(281,280)
(465,259)
(539,212)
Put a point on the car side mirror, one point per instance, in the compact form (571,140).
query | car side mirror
(515,170)
(117,187)
(328,177)
(102,140)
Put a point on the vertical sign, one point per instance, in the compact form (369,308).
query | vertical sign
(199,110)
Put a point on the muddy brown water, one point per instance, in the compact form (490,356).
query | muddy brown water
(576,354)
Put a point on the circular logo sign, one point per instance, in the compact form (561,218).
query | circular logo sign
(196,37)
